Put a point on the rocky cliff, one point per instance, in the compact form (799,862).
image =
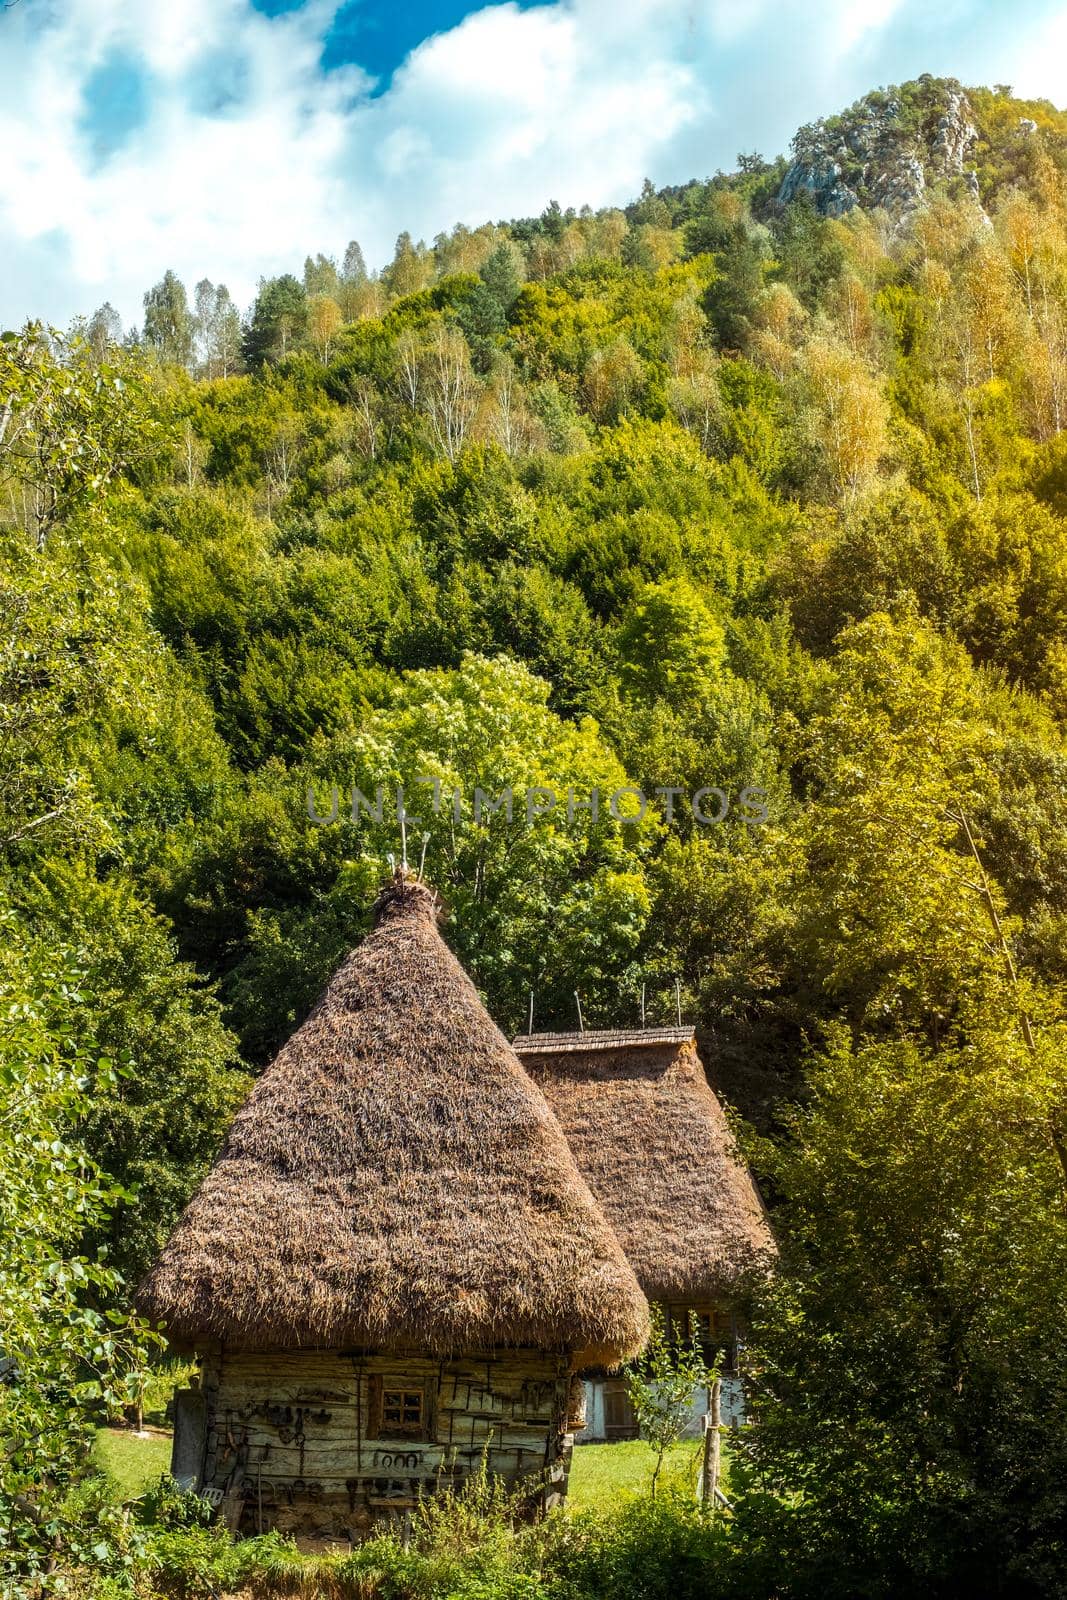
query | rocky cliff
(886,150)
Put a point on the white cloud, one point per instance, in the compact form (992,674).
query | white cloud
(576,101)
(513,108)
(232,195)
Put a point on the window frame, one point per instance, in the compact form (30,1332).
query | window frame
(382,1388)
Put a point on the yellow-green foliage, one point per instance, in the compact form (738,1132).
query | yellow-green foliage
(710,492)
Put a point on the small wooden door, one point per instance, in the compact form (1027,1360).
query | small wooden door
(619,1419)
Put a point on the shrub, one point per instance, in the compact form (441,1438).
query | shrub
(668,1548)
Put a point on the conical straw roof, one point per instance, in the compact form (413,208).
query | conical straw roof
(396,1181)
(653,1143)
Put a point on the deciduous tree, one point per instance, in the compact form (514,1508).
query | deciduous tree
(169,329)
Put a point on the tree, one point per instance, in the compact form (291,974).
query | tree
(411,268)
(408,363)
(852,308)
(612,377)
(278,320)
(606,234)
(972,333)
(227,332)
(366,402)
(218,329)
(64,1363)
(848,416)
(104,329)
(661,1384)
(732,299)
(324,321)
(450,389)
(51,695)
(650,210)
(482,319)
(906,1384)
(557,905)
(779,324)
(1035,241)
(281,456)
(554,219)
(671,644)
(358,294)
(69,425)
(510,420)
(203,312)
(321,276)
(353,267)
(462,251)
(367,297)
(153,1124)
(169,329)
(810,254)
(502,272)
(911,1392)
(693,392)
(649,248)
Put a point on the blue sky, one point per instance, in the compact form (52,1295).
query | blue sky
(230,138)
(379,38)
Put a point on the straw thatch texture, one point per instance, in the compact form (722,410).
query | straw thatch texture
(395,1181)
(653,1143)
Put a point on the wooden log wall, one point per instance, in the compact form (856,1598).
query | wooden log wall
(292,1437)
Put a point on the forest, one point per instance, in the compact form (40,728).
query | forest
(713,492)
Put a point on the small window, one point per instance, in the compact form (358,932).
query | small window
(403,1411)
(685,1322)
(398,1410)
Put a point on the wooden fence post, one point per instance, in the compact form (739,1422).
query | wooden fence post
(709,1477)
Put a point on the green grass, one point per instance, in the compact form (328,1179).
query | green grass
(602,1474)
(159,1390)
(132,1464)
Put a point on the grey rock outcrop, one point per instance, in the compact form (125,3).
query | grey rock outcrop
(954,136)
(902,186)
(886,150)
(821,179)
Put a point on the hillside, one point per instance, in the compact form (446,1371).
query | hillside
(753,496)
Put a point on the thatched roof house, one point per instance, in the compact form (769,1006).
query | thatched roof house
(396,1190)
(653,1143)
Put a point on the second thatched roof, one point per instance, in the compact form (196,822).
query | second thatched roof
(395,1180)
(653,1143)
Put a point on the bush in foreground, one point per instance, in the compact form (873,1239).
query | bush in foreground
(471,1546)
